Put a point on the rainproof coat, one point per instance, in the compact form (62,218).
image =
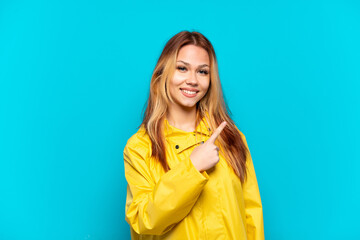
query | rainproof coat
(184,203)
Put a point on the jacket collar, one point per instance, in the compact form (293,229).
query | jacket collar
(181,140)
(201,128)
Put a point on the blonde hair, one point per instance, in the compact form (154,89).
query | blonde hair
(212,106)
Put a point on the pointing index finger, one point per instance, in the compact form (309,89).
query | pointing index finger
(217,132)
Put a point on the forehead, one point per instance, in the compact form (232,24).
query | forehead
(193,54)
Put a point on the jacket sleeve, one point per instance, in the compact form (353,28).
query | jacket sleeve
(253,206)
(155,207)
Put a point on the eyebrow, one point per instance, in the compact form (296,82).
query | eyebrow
(188,64)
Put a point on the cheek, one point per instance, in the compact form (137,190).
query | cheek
(175,83)
(205,85)
(177,79)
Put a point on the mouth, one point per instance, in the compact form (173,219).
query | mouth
(189,92)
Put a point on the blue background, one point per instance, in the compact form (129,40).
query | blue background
(74,77)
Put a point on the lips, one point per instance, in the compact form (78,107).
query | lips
(189,92)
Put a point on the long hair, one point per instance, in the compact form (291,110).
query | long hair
(212,106)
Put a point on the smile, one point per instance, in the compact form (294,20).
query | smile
(188,93)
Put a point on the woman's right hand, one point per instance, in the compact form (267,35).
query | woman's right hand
(206,155)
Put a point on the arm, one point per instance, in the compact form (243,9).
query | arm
(155,207)
(253,206)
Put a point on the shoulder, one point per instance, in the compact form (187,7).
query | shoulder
(139,142)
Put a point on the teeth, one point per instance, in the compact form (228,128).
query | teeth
(188,92)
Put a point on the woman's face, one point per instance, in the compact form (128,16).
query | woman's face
(191,79)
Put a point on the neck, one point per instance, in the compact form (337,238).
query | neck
(182,118)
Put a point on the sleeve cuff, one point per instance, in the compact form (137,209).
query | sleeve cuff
(201,175)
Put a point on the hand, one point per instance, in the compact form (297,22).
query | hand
(206,156)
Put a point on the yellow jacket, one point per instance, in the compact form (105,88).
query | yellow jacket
(185,203)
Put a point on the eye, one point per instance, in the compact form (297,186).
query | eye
(204,72)
(181,68)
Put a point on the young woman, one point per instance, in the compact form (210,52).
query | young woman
(189,171)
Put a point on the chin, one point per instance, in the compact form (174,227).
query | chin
(189,104)
(186,104)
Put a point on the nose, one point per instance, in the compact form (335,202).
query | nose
(192,79)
